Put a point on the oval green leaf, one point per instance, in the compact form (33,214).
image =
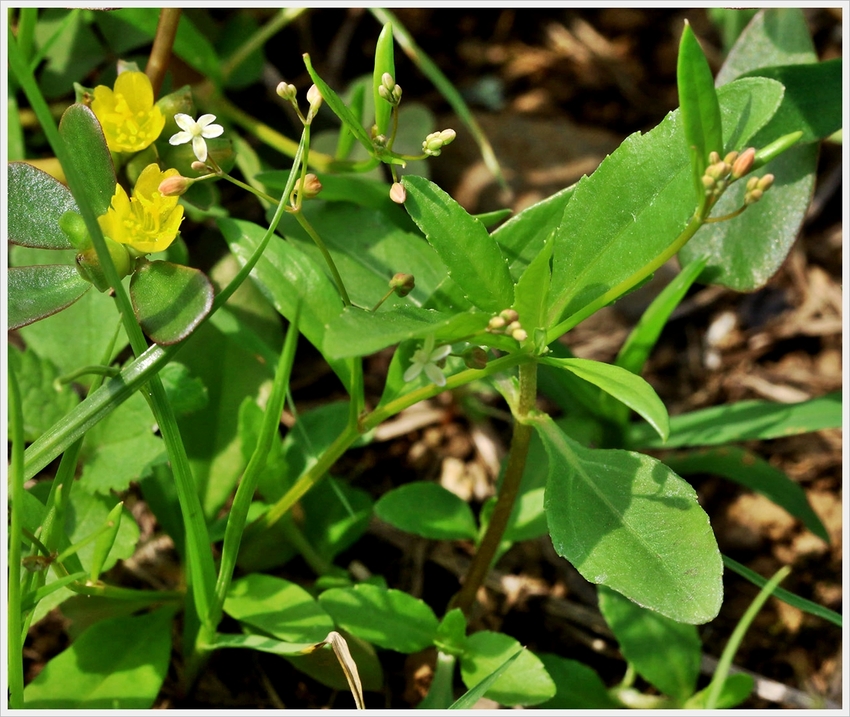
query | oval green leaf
(170,300)
(90,155)
(35,202)
(36,292)
(427,510)
(391,619)
(627,521)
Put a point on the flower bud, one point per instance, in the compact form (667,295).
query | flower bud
(387,81)
(519,334)
(513,326)
(402,284)
(74,227)
(310,186)
(314,97)
(200,167)
(709,183)
(89,268)
(730,158)
(753,196)
(398,193)
(713,158)
(496,324)
(175,186)
(744,163)
(752,183)
(509,315)
(475,357)
(286,91)
(766,182)
(434,142)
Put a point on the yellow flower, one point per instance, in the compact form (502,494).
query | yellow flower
(149,221)
(130,119)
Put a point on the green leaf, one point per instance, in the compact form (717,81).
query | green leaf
(427,510)
(665,653)
(278,607)
(744,421)
(625,386)
(70,47)
(643,337)
(750,470)
(36,201)
(745,252)
(117,450)
(579,686)
(43,400)
(523,236)
(532,290)
(186,393)
(473,258)
(391,619)
(170,300)
(451,633)
(626,521)
(359,333)
(471,696)
(119,663)
(698,103)
(339,108)
(524,682)
(87,148)
(36,292)
(735,690)
(639,200)
(291,281)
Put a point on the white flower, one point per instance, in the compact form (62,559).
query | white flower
(425,359)
(196,132)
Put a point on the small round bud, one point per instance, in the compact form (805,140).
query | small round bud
(713,158)
(314,97)
(509,315)
(730,158)
(387,81)
(752,183)
(475,357)
(286,91)
(708,182)
(398,193)
(175,186)
(200,167)
(435,142)
(513,326)
(310,186)
(753,196)
(496,324)
(402,284)
(744,163)
(519,334)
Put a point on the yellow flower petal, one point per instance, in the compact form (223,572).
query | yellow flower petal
(130,119)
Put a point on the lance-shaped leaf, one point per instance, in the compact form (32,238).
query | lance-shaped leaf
(627,521)
(170,300)
(36,292)
(472,256)
(35,202)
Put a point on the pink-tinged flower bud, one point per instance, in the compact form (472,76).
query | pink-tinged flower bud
(175,186)
(475,357)
(398,193)
(402,284)
(200,167)
(744,163)
(509,315)
(519,334)
(311,186)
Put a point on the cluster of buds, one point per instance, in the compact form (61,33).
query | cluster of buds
(720,172)
(389,90)
(314,97)
(507,322)
(434,142)
(756,187)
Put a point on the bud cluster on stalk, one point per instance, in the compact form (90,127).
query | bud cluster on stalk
(507,322)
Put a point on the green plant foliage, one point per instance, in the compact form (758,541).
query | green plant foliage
(427,510)
(665,653)
(278,608)
(748,469)
(40,291)
(391,619)
(744,421)
(735,690)
(579,686)
(36,202)
(611,513)
(118,663)
(523,682)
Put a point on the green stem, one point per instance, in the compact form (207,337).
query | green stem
(317,240)
(248,187)
(16,495)
(508,491)
(163,42)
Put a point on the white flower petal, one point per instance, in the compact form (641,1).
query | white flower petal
(211,131)
(204,120)
(433,372)
(180,138)
(184,121)
(440,353)
(412,372)
(199,147)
